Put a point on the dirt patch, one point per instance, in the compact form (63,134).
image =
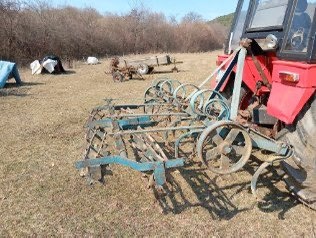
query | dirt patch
(41,192)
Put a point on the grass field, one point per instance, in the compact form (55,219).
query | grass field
(42,194)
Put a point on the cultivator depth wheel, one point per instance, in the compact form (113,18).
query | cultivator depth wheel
(224,147)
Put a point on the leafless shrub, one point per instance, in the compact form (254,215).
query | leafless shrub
(33,29)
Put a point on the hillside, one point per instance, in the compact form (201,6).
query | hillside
(225,20)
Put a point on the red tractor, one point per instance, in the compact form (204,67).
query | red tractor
(277,78)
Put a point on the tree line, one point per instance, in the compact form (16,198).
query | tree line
(31,30)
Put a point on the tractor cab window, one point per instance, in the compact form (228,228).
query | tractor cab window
(268,14)
(299,32)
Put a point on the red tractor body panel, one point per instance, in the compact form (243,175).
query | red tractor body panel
(286,99)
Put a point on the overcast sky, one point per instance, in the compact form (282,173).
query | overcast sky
(208,9)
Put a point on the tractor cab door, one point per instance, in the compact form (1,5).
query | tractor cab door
(299,39)
(291,24)
(258,19)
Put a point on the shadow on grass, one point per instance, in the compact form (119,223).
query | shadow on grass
(12,89)
(134,78)
(69,72)
(166,71)
(194,186)
(208,194)
(275,200)
(220,200)
(138,78)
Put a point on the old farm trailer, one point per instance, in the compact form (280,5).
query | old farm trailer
(122,69)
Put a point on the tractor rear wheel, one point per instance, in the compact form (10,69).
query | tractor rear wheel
(300,168)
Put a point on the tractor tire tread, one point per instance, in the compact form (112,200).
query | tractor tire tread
(301,166)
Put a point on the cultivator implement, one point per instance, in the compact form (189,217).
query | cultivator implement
(175,123)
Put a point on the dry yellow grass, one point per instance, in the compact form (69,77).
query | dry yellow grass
(42,194)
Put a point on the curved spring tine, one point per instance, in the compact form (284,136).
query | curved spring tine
(184,87)
(177,142)
(224,113)
(255,178)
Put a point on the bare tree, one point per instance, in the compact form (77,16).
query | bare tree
(33,29)
(192,17)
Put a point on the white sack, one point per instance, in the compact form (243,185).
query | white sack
(49,65)
(36,67)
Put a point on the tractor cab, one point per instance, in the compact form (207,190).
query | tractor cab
(285,27)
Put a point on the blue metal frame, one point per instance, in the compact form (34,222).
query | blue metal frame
(158,167)
(124,124)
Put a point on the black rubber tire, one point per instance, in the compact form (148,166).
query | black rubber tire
(301,167)
(117,77)
(143,69)
(228,92)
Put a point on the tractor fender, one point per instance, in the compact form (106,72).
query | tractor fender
(288,98)
(286,101)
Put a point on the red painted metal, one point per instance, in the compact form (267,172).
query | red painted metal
(286,99)
(220,60)
(307,73)
(251,75)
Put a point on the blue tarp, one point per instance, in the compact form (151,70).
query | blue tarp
(8,70)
